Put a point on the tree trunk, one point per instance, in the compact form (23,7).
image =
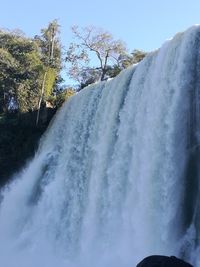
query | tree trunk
(41,97)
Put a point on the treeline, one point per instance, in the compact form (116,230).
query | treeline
(30,70)
(31,86)
(30,67)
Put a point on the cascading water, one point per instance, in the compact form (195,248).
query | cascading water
(116,176)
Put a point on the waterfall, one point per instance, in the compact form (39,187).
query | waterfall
(116,175)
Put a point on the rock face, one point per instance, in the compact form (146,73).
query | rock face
(163,261)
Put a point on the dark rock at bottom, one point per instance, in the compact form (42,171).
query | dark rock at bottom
(163,261)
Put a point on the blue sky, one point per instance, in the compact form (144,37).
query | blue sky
(142,24)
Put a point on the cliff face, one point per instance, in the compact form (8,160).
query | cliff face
(19,139)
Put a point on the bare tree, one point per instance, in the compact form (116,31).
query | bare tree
(93,45)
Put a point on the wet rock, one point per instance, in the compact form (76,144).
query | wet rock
(163,261)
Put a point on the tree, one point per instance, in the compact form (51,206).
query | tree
(49,42)
(7,66)
(134,57)
(20,72)
(124,61)
(50,46)
(93,45)
(62,95)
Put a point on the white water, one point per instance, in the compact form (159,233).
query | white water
(115,178)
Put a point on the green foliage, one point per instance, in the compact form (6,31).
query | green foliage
(49,43)
(49,82)
(23,63)
(20,68)
(60,97)
(63,96)
(6,61)
(7,67)
(113,71)
(127,60)
(27,97)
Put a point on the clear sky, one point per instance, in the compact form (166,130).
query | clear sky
(141,24)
